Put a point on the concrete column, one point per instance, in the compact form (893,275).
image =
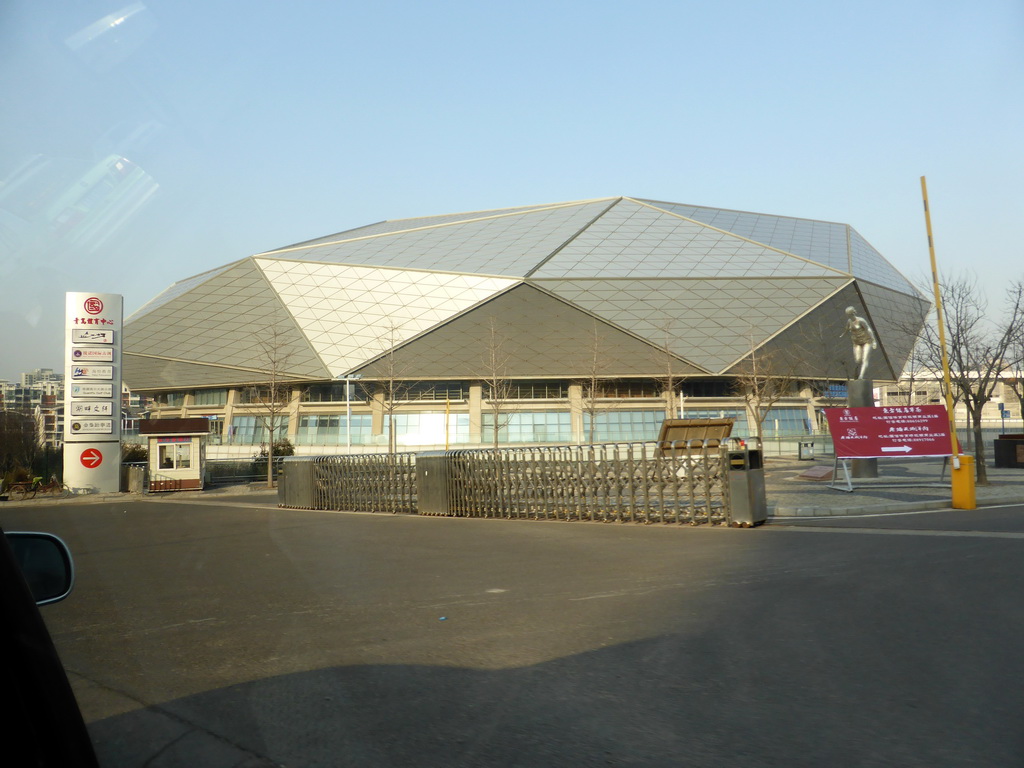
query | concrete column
(229,414)
(576,413)
(377,414)
(476,401)
(293,414)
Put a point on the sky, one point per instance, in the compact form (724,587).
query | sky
(251,126)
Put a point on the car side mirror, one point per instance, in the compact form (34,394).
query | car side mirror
(46,564)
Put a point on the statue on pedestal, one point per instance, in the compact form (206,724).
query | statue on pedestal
(863,337)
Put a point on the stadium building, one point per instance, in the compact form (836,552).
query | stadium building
(572,322)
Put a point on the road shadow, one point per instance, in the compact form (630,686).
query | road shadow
(715,699)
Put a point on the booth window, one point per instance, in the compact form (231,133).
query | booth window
(175,456)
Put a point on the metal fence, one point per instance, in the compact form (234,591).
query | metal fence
(681,482)
(627,482)
(366,483)
(237,471)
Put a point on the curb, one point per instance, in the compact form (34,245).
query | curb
(874,509)
(881,509)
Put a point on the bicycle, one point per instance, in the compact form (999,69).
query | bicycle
(29,490)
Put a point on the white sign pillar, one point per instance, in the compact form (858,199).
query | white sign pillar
(92,392)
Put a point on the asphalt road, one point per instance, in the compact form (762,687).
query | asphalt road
(226,632)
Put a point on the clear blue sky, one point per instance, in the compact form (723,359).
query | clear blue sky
(259,124)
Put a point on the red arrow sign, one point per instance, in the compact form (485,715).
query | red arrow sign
(91,458)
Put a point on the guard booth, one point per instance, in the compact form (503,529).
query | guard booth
(177,453)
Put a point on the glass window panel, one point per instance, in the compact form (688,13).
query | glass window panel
(334,393)
(165,457)
(739,428)
(251,430)
(173,399)
(183,455)
(528,427)
(323,429)
(174,455)
(782,422)
(625,426)
(211,397)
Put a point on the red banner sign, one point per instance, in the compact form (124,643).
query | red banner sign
(892,431)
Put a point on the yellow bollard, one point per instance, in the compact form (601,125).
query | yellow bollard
(963,484)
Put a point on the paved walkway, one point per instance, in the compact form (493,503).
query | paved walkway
(902,486)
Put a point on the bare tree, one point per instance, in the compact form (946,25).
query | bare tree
(670,379)
(272,393)
(1015,360)
(762,380)
(393,386)
(979,350)
(593,384)
(19,445)
(911,376)
(497,385)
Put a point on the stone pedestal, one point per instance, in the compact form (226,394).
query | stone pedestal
(860,395)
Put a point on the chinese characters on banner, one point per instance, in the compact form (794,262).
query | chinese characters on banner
(900,430)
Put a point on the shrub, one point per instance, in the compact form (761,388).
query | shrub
(134,453)
(281,448)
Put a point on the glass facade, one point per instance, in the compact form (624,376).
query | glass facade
(263,394)
(428,428)
(633,388)
(781,422)
(216,430)
(251,430)
(172,399)
(707,388)
(330,430)
(625,426)
(829,389)
(211,397)
(333,393)
(536,390)
(529,427)
(739,429)
(435,390)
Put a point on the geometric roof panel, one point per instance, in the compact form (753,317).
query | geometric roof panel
(509,244)
(824,242)
(400,225)
(224,321)
(708,282)
(352,314)
(636,240)
(179,288)
(897,319)
(161,373)
(711,323)
(537,335)
(817,344)
(870,265)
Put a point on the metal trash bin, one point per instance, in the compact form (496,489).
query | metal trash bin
(746,487)
(805,450)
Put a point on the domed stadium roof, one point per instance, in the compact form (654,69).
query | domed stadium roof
(638,279)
